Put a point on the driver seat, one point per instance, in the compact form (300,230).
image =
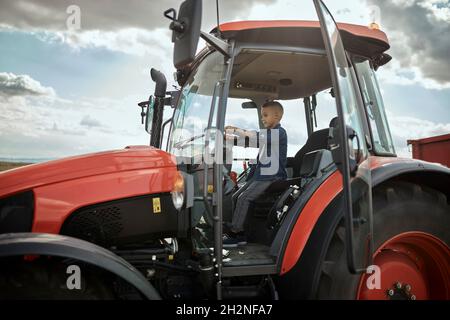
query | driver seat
(305,160)
(318,140)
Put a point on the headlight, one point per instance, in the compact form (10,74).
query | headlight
(178,191)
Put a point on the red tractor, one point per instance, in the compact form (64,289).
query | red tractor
(351,221)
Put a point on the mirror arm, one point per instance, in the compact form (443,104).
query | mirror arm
(309,122)
(314,105)
(172,99)
(218,44)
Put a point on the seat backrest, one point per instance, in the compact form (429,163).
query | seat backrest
(316,141)
(315,163)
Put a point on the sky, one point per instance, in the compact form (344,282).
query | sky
(68,89)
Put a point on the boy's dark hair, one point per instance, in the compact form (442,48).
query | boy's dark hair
(273,104)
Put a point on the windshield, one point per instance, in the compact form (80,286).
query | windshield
(194,106)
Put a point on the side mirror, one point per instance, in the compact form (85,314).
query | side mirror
(185,31)
(335,145)
(149,115)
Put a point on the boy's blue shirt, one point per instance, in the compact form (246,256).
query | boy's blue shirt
(279,147)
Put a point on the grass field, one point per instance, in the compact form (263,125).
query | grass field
(10,165)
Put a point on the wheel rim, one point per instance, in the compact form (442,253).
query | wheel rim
(412,265)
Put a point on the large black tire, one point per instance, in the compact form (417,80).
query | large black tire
(398,207)
(46,279)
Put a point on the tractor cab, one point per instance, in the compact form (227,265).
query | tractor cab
(323,74)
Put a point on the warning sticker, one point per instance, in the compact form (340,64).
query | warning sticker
(156,205)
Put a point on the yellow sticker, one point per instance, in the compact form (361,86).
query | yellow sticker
(156,205)
(210,188)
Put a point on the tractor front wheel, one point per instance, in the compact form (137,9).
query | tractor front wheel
(46,278)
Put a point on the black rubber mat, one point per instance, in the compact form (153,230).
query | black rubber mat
(250,254)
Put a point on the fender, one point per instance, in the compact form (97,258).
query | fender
(17,244)
(382,169)
(435,175)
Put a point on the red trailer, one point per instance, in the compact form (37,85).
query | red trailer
(432,149)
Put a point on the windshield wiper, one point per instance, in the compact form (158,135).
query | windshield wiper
(184,143)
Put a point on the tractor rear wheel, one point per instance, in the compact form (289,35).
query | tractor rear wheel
(411,240)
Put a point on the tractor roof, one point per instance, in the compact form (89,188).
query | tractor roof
(280,74)
(300,33)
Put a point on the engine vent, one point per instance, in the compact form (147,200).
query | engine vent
(126,221)
(99,225)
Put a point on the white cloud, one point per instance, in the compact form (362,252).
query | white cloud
(134,27)
(43,126)
(130,41)
(405,128)
(90,122)
(394,73)
(111,15)
(22,85)
(418,31)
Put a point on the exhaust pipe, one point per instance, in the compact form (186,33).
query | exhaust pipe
(160,94)
(160,81)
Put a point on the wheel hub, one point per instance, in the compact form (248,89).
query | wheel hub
(400,292)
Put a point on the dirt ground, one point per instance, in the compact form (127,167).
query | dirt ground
(10,165)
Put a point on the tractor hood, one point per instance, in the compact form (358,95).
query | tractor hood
(130,158)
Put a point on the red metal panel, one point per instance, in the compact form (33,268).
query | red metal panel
(433,149)
(72,168)
(307,220)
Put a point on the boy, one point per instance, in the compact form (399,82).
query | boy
(270,166)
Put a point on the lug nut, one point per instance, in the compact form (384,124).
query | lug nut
(391,292)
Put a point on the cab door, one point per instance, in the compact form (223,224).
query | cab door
(348,144)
